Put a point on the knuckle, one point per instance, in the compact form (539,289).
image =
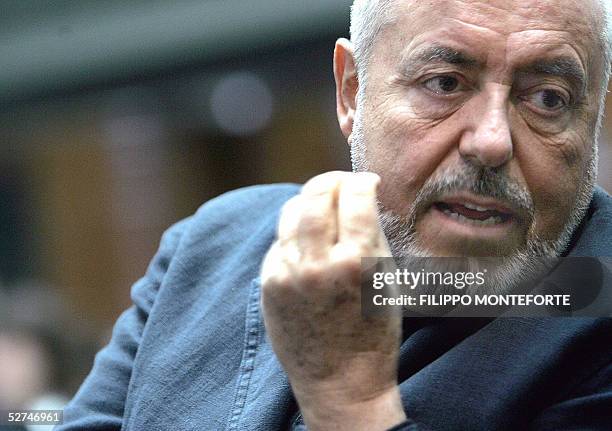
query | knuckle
(347,262)
(311,274)
(274,271)
(276,284)
(357,247)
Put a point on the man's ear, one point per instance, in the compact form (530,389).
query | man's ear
(347,85)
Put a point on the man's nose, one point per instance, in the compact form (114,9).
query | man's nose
(487,140)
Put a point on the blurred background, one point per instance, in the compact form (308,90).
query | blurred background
(119,118)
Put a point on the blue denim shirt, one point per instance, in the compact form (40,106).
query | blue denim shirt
(191,353)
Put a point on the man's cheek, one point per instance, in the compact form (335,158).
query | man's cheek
(395,195)
(552,212)
(554,186)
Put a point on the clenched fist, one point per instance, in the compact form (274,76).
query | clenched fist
(342,366)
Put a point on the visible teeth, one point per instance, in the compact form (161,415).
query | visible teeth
(487,222)
(492,221)
(464,219)
(474,207)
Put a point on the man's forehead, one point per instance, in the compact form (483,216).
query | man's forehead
(503,17)
(517,31)
(569,11)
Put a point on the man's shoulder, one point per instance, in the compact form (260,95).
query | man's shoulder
(595,238)
(248,203)
(236,215)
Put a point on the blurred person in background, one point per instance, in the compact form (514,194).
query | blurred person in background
(25,371)
(33,353)
(464,107)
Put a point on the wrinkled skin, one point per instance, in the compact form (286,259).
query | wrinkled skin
(496,116)
(312,305)
(421,119)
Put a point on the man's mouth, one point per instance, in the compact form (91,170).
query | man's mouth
(473,213)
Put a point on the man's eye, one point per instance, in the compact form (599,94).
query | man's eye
(549,100)
(444,84)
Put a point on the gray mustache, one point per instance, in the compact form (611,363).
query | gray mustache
(481,181)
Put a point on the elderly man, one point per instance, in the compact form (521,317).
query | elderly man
(473,128)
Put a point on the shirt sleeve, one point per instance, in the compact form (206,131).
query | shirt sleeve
(99,403)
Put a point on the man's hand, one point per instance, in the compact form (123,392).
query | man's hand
(342,366)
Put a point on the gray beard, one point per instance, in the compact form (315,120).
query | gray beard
(536,256)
